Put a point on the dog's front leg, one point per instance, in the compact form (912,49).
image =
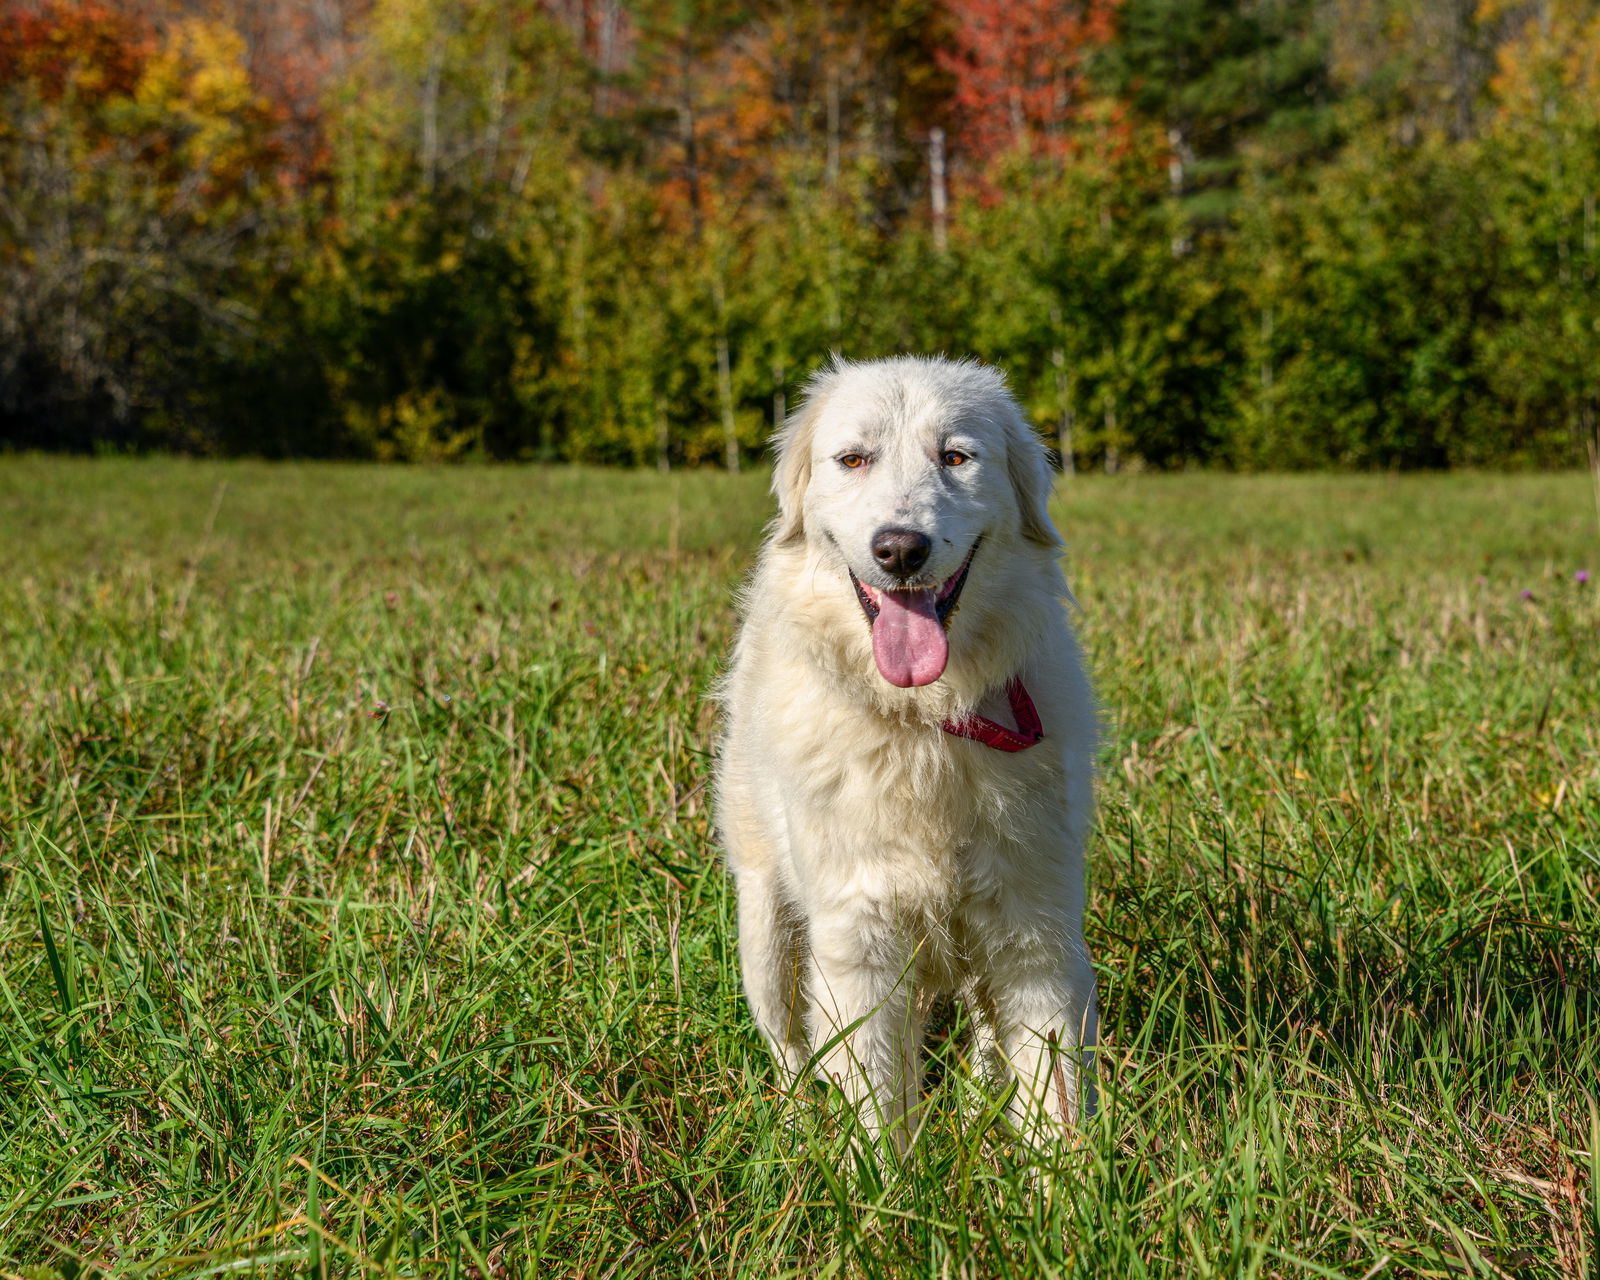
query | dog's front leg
(1044,1008)
(865,1030)
(769,954)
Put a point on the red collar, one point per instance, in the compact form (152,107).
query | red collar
(1028,732)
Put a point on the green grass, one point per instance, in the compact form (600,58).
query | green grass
(359,914)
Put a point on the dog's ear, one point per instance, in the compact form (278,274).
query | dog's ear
(791,472)
(1031,478)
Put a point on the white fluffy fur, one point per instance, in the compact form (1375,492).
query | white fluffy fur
(879,860)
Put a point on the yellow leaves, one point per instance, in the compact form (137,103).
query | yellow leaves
(198,79)
(1553,57)
(417,426)
(91,81)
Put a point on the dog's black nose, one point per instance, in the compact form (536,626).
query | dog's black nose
(900,552)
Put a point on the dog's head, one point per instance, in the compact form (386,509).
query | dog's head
(919,479)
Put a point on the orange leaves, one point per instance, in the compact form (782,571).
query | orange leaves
(1551,55)
(86,51)
(767,103)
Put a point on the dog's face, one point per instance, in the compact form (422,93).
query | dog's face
(915,478)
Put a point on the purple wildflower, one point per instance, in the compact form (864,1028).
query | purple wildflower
(1581,577)
(1526,594)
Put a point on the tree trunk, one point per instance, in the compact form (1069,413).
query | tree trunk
(730,432)
(833,130)
(430,116)
(936,180)
(688,136)
(1067,417)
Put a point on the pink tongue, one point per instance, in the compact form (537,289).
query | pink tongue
(908,641)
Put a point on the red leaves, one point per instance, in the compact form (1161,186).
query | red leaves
(1018,70)
(89,51)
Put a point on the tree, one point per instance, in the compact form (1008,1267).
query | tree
(1018,72)
(138,179)
(1223,81)
(1373,295)
(1110,337)
(439,289)
(1543,132)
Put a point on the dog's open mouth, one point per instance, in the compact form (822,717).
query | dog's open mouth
(909,642)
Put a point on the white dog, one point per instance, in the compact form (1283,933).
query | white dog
(904,790)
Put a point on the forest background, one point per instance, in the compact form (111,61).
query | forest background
(1249,233)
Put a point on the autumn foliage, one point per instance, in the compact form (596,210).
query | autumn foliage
(90,52)
(1018,71)
(1358,232)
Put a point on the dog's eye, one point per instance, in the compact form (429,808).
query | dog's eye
(953,457)
(852,460)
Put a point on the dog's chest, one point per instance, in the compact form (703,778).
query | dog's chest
(894,811)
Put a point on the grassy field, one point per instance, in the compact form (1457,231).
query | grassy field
(359,916)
